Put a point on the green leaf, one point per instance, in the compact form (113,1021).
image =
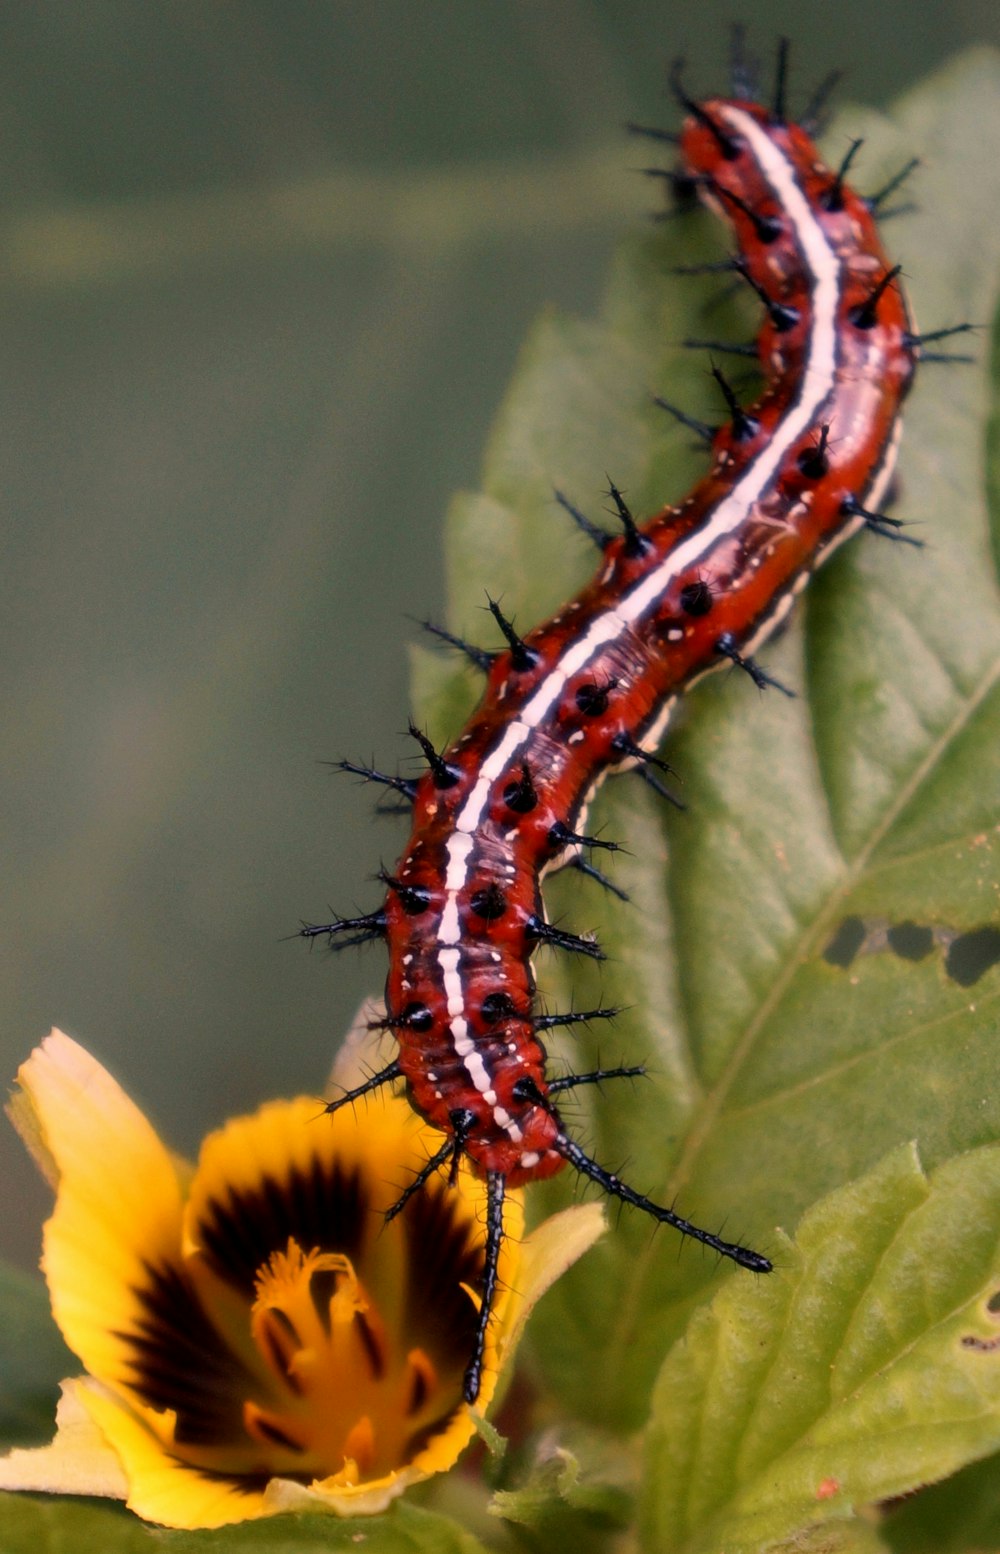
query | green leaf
(960,1514)
(779,1069)
(572,1494)
(33,1360)
(30,1525)
(868,1365)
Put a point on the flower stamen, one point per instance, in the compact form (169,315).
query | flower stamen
(341,1406)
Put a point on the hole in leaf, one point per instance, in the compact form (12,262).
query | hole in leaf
(910,940)
(846,942)
(971,955)
(967,956)
(983,1345)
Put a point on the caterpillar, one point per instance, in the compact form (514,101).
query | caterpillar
(590,692)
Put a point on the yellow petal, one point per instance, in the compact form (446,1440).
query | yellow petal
(79,1461)
(364,1050)
(275,1164)
(551,1248)
(263,1178)
(25,1119)
(444,1449)
(282,1142)
(273,1175)
(162,1489)
(283,1494)
(119,1225)
(118,1204)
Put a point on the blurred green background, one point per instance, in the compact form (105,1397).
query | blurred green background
(265,270)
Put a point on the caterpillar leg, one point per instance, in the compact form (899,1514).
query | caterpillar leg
(495,1188)
(385,1076)
(611,1184)
(596,1076)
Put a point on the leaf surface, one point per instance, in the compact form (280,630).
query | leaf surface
(866,1366)
(33,1360)
(33,1525)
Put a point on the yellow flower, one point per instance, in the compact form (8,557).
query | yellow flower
(257,1338)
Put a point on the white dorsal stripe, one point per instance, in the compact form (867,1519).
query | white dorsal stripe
(818,381)
(819,370)
(819,376)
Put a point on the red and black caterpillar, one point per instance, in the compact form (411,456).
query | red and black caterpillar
(589,693)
